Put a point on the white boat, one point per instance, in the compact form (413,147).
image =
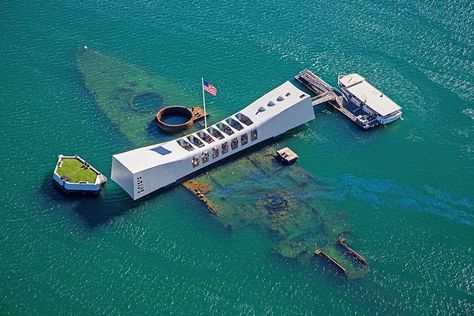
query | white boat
(144,170)
(361,93)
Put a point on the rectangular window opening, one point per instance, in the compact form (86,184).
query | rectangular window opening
(195,161)
(195,141)
(254,135)
(224,148)
(184,144)
(244,119)
(215,152)
(244,139)
(205,137)
(215,133)
(236,125)
(225,129)
(205,156)
(234,143)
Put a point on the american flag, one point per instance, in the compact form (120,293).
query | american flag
(209,88)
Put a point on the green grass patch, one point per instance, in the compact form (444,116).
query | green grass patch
(72,169)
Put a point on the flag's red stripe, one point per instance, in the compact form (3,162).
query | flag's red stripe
(210,88)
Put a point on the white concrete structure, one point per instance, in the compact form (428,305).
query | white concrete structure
(375,103)
(144,170)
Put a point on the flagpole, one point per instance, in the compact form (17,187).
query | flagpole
(204,102)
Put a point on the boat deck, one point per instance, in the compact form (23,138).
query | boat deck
(324,93)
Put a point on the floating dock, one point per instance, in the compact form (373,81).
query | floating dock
(324,93)
(286,156)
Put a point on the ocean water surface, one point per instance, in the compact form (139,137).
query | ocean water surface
(407,188)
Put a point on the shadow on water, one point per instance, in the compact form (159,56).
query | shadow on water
(97,212)
(159,135)
(94,210)
(100,210)
(154,131)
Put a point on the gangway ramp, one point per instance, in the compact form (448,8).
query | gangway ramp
(323,98)
(324,93)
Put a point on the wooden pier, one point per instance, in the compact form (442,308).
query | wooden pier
(324,93)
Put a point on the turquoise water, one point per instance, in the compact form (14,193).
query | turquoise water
(406,188)
(146,103)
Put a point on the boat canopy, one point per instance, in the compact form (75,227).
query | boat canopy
(373,98)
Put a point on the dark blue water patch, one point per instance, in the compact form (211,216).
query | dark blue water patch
(157,134)
(174,119)
(379,193)
(146,102)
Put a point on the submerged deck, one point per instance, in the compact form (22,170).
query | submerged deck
(324,93)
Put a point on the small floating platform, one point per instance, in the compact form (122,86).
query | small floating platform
(73,174)
(286,156)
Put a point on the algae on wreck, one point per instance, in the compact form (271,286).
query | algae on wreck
(286,201)
(115,83)
(251,190)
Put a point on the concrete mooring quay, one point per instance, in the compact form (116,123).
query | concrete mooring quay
(324,93)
